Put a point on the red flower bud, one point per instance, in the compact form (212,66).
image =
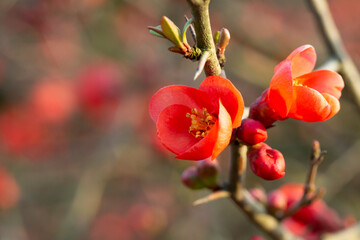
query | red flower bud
(258,194)
(191,179)
(266,162)
(260,110)
(277,201)
(251,132)
(207,171)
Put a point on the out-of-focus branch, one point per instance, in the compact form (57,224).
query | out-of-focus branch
(255,211)
(309,195)
(352,233)
(204,38)
(331,35)
(332,64)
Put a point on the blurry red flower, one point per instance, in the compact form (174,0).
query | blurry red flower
(100,89)
(197,123)
(297,92)
(53,100)
(22,132)
(317,216)
(110,226)
(277,202)
(9,190)
(266,162)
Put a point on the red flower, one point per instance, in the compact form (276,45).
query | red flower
(197,123)
(297,92)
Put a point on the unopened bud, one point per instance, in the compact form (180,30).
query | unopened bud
(208,172)
(266,162)
(260,110)
(172,32)
(258,194)
(251,132)
(191,179)
(224,39)
(277,202)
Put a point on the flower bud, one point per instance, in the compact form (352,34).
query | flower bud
(277,202)
(260,110)
(191,179)
(224,38)
(258,194)
(172,32)
(208,172)
(266,162)
(251,132)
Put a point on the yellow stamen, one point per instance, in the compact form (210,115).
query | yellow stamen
(201,123)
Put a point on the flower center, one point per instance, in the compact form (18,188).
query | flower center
(201,123)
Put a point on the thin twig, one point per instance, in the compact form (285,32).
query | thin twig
(331,35)
(352,233)
(310,194)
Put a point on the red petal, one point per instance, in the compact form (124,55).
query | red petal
(280,94)
(224,132)
(221,88)
(202,149)
(324,81)
(334,105)
(309,105)
(302,60)
(173,128)
(176,94)
(214,142)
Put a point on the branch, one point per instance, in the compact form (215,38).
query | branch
(331,35)
(254,210)
(204,38)
(352,233)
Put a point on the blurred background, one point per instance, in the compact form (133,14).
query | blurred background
(79,157)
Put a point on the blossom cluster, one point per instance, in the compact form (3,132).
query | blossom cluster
(197,124)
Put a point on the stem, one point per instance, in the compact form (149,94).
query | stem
(330,33)
(204,38)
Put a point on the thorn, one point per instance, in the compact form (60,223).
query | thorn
(201,65)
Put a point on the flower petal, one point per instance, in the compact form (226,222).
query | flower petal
(280,94)
(334,105)
(176,94)
(324,81)
(224,132)
(309,105)
(221,88)
(202,149)
(303,60)
(173,128)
